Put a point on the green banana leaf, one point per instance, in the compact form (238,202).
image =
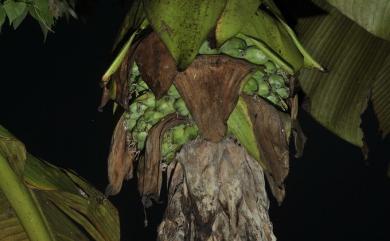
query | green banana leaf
(233,18)
(183,25)
(373,15)
(271,32)
(132,21)
(41,202)
(354,57)
(240,125)
(381,97)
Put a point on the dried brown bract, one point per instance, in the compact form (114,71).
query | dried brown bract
(210,89)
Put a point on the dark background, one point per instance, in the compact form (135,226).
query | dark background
(49,95)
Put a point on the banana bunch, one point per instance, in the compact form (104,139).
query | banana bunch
(268,82)
(237,48)
(137,85)
(146,111)
(175,138)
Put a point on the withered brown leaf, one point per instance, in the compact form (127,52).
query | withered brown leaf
(272,129)
(297,133)
(149,168)
(119,82)
(210,88)
(156,64)
(120,159)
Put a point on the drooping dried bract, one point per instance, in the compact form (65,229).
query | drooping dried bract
(120,159)
(117,88)
(157,66)
(149,168)
(272,129)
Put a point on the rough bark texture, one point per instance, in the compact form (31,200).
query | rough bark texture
(216,192)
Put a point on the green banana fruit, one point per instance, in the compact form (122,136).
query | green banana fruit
(178,135)
(255,55)
(283,92)
(191,132)
(130,124)
(165,105)
(273,99)
(140,138)
(172,92)
(268,52)
(152,117)
(141,125)
(206,49)
(258,75)
(234,47)
(276,81)
(175,138)
(250,86)
(270,67)
(181,108)
(263,88)
(147,99)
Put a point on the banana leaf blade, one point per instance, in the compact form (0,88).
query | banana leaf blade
(373,15)
(353,56)
(381,97)
(183,25)
(35,198)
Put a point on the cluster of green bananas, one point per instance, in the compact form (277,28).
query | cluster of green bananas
(146,111)
(269,83)
(237,48)
(175,138)
(137,85)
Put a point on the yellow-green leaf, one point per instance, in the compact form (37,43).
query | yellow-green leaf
(183,25)
(47,203)
(373,15)
(23,203)
(41,175)
(234,16)
(13,150)
(240,125)
(14,9)
(273,8)
(308,60)
(268,30)
(132,21)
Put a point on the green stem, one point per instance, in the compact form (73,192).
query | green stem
(23,203)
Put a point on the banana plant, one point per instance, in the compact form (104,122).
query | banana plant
(207,71)
(203,76)
(41,202)
(211,81)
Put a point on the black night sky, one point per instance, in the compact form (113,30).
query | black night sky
(49,95)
